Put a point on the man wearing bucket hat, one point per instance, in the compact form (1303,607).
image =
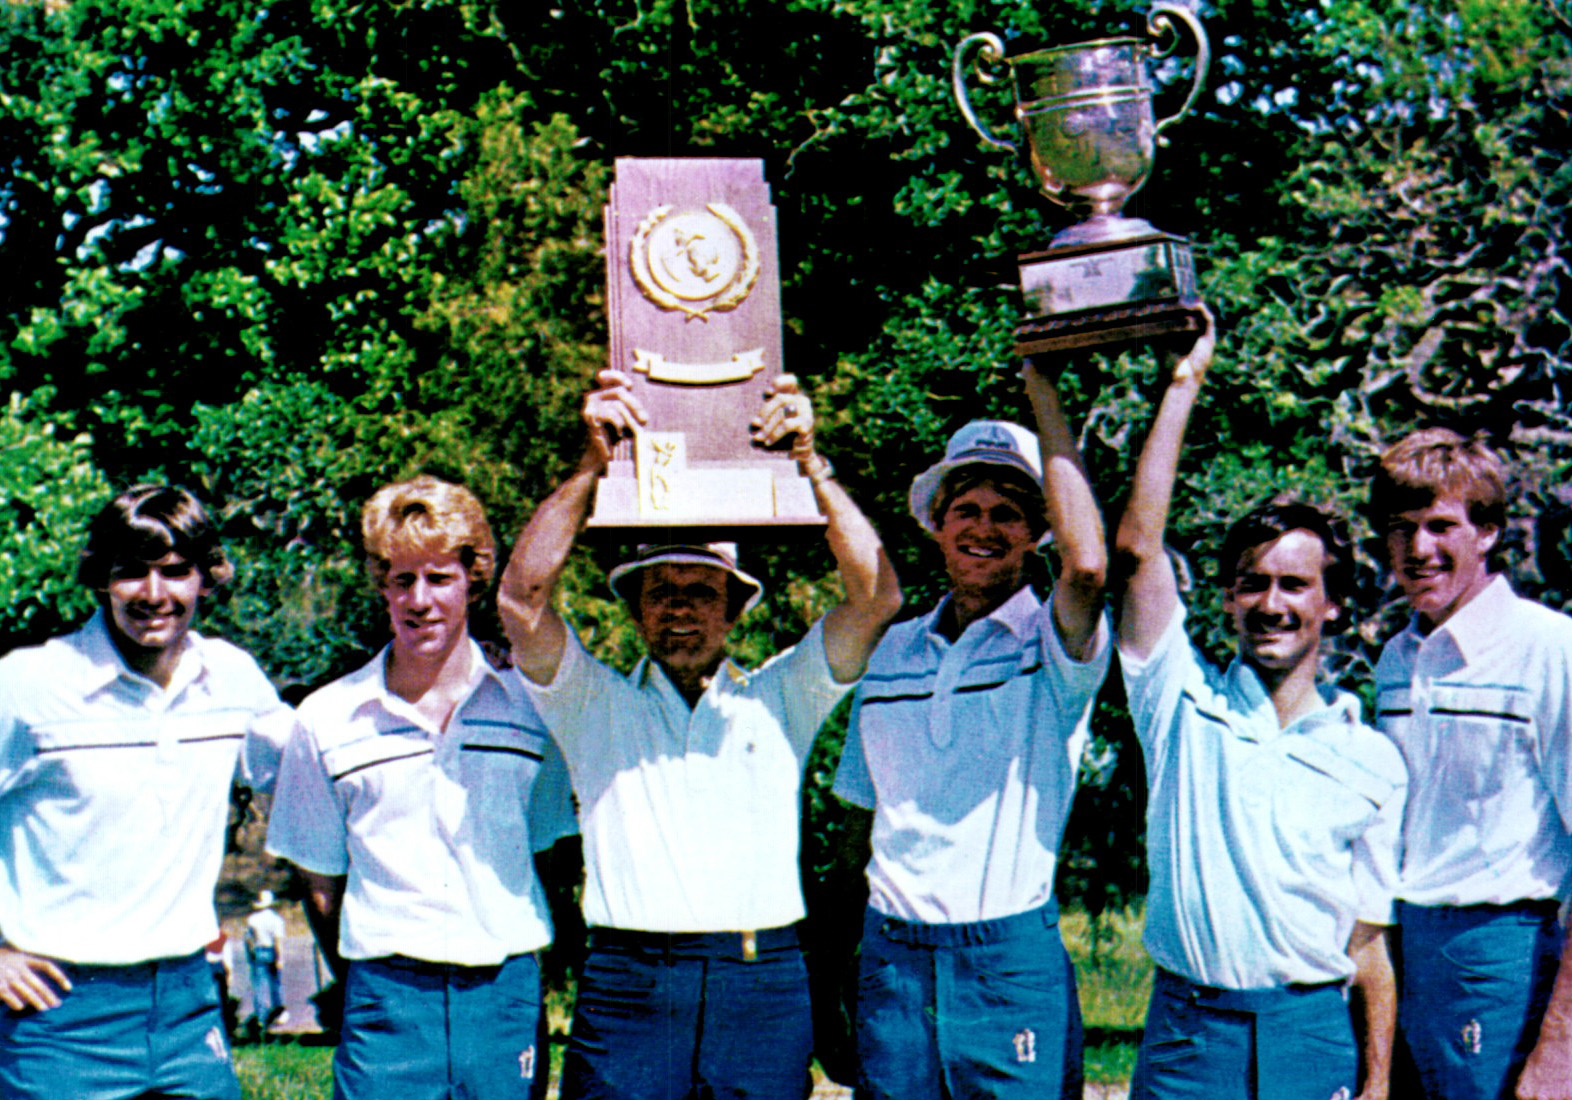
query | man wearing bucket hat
(964,743)
(687,774)
(1273,810)
(265,954)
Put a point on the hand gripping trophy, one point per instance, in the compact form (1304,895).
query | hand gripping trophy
(1091,135)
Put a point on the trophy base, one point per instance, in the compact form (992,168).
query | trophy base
(705,503)
(1107,293)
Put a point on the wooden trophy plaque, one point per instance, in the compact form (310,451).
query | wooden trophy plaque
(693,294)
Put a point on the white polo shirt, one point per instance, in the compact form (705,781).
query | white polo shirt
(968,755)
(1482,710)
(690,816)
(114,793)
(435,830)
(1265,845)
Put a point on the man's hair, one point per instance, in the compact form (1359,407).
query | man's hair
(1426,465)
(737,593)
(1280,515)
(427,516)
(1013,486)
(145,523)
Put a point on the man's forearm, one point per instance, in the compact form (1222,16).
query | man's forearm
(873,593)
(1375,987)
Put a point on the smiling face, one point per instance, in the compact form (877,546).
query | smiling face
(985,537)
(682,617)
(1439,557)
(427,598)
(1278,603)
(150,606)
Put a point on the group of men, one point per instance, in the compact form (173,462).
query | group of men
(1318,885)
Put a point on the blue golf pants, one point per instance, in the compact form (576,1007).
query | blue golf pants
(1283,1043)
(956,1011)
(1474,983)
(147,1030)
(417,1030)
(267,994)
(701,1016)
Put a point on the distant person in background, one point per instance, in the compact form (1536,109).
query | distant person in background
(118,745)
(412,797)
(965,740)
(265,954)
(1272,809)
(1477,692)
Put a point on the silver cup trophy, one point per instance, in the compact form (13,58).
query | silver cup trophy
(1091,136)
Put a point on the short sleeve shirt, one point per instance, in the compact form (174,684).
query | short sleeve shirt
(114,793)
(968,755)
(435,829)
(1265,844)
(690,816)
(1482,710)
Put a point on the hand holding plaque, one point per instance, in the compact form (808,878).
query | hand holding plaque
(1091,135)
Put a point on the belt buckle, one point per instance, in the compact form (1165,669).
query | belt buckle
(750,946)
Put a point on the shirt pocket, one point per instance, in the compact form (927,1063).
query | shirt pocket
(371,768)
(1480,741)
(1326,794)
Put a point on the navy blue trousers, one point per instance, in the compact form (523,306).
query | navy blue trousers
(690,1017)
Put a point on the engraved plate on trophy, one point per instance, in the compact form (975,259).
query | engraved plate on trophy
(693,295)
(1091,136)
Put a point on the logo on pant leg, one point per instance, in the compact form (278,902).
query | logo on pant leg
(1473,1037)
(527,1064)
(1342,1094)
(1025,1045)
(215,1043)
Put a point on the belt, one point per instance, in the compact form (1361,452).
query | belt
(1544,908)
(1241,1000)
(745,944)
(965,933)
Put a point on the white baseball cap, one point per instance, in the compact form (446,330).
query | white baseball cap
(982,442)
(720,555)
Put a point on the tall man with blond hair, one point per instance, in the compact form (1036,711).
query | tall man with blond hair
(688,775)
(1477,692)
(412,796)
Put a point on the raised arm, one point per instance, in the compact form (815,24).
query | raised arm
(1073,517)
(534,628)
(1149,592)
(873,594)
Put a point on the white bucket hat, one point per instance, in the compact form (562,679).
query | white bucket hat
(985,442)
(720,555)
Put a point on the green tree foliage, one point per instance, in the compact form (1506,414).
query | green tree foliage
(284,250)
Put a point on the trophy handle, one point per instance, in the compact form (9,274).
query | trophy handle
(1160,22)
(992,51)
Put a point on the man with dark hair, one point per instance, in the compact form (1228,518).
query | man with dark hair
(118,744)
(688,775)
(412,797)
(1272,811)
(965,741)
(1477,692)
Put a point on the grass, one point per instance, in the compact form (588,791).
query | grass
(1112,969)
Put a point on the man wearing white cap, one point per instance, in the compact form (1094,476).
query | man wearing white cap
(265,952)
(965,739)
(687,774)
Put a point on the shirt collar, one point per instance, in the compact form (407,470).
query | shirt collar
(1018,614)
(106,664)
(1245,686)
(1476,625)
(728,673)
(376,684)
